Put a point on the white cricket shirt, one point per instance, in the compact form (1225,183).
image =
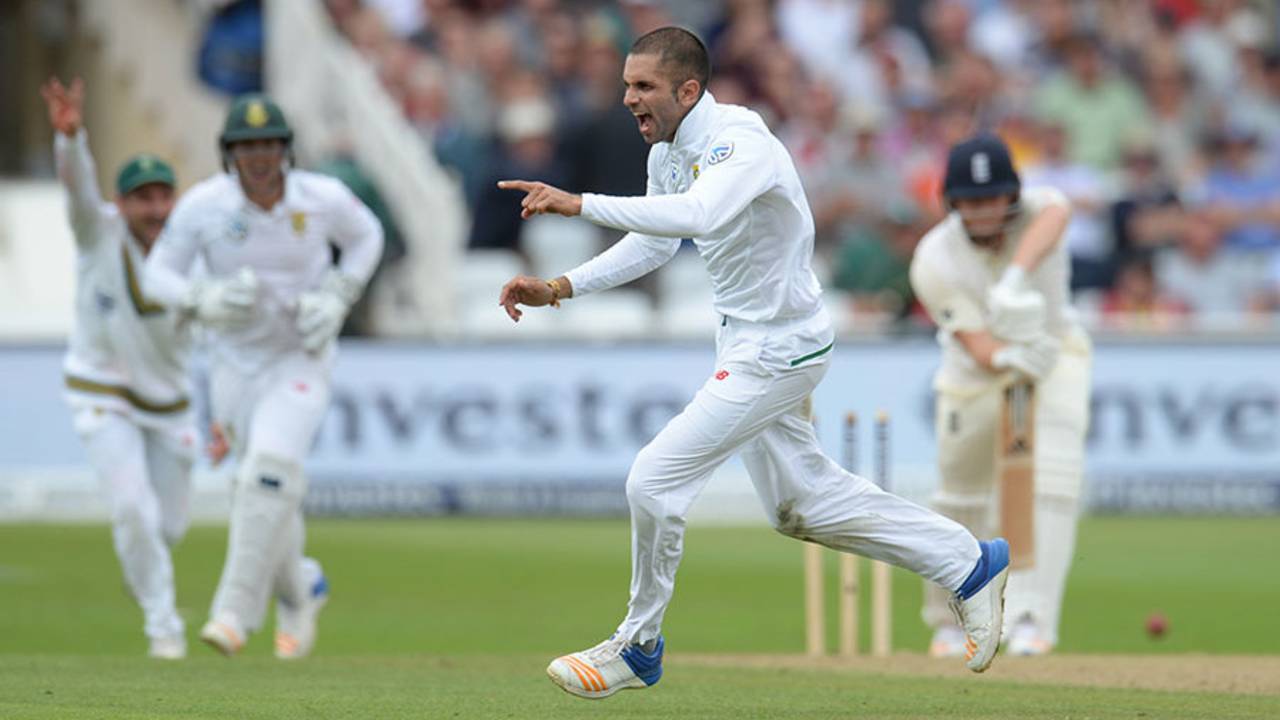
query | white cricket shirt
(127,353)
(728,184)
(287,247)
(951,276)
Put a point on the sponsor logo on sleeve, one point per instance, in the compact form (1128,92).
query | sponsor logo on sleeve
(103,301)
(719,153)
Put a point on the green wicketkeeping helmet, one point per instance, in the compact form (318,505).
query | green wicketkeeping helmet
(255,117)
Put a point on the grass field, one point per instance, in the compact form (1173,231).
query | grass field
(453,618)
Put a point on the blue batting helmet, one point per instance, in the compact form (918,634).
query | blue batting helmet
(980,167)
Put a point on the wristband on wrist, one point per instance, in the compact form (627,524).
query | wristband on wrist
(555,292)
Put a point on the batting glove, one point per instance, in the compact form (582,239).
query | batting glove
(224,303)
(1035,359)
(1017,311)
(321,311)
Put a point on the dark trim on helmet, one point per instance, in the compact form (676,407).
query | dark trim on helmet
(225,143)
(246,134)
(985,191)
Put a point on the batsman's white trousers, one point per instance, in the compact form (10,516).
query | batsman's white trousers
(968,493)
(762,412)
(146,473)
(271,419)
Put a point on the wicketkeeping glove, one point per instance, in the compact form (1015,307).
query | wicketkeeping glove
(224,302)
(1017,311)
(1035,359)
(321,311)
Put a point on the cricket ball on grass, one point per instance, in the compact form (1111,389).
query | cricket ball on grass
(1157,625)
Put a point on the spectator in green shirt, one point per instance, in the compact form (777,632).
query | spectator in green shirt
(873,262)
(1099,107)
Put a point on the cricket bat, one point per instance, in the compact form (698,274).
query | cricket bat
(1015,471)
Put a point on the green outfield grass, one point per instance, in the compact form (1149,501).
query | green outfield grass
(514,687)
(440,618)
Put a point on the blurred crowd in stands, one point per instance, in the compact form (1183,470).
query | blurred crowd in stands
(1160,119)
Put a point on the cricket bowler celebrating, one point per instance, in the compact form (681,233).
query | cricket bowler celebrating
(994,276)
(126,366)
(273,300)
(717,175)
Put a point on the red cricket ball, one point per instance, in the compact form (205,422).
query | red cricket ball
(1157,625)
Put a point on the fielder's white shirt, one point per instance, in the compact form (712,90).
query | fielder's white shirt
(728,184)
(287,247)
(951,276)
(126,353)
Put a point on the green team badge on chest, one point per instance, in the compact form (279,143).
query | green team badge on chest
(299,222)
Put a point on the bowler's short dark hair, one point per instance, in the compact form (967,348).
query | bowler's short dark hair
(679,51)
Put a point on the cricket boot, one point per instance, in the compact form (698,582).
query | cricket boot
(979,604)
(1025,639)
(224,633)
(296,623)
(603,670)
(170,647)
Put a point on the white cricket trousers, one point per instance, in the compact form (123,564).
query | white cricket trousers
(271,418)
(968,492)
(763,414)
(146,473)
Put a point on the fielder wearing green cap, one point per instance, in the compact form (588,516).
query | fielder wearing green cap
(142,170)
(125,370)
(273,300)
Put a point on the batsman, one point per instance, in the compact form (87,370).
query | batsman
(1013,386)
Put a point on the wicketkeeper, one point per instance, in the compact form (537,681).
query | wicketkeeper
(273,300)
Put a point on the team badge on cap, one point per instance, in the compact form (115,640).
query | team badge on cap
(980,168)
(256,114)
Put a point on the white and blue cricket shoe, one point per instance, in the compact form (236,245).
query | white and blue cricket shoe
(603,670)
(979,604)
(1026,639)
(296,624)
